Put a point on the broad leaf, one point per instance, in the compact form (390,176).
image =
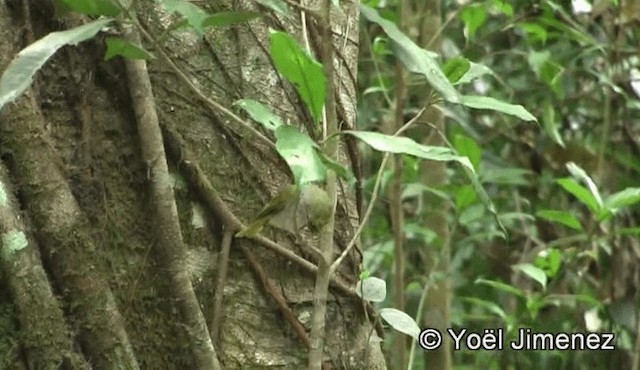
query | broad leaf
(401,322)
(455,68)
(260,113)
(116,46)
(624,198)
(372,289)
(473,16)
(485,102)
(17,77)
(533,272)
(413,57)
(231,18)
(466,146)
(298,150)
(581,175)
(562,217)
(304,72)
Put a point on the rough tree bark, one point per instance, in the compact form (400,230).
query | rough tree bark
(82,198)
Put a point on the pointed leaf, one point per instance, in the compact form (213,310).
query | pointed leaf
(260,113)
(17,77)
(581,175)
(298,150)
(580,192)
(304,72)
(401,322)
(562,217)
(116,46)
(624,198)
(414,58)
(485,102)
(455,68)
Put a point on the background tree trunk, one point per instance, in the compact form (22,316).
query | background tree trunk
(73,154)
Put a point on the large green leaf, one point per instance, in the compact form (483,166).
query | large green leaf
(581,193)
(401,322)
(260,113)
(485,102)
(404,145)
(533,272)
(17,77)
(118,46)
(304,72)
(413,57)
(298,150)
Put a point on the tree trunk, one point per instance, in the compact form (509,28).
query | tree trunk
(85,199)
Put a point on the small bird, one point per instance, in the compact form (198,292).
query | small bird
(292,208)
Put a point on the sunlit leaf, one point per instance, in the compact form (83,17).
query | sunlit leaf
(298,150)
(533,272)
(304,72)
(17,77)
(473,16)
(549,261)
(485,102)
(401,322)
(372,289)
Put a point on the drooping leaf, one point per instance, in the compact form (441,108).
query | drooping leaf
(17,77)
(414,58)
(533,272)
(404,145)
(485,102)
(401,322)
(117,46)
(372,289)
(303,71)
(260,113)
(562,217)
(223,19)
(191,12)
(105,8)
(298,150)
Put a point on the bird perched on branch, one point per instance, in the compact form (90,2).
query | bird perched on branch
(291,209)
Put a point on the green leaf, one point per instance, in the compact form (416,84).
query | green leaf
(535,31)
(404,145)
(473,16)
(624,198)
(550,261)
(298,150)
(304,72)
(467,146)
(581,175)
(401,322)
(580,192)
(455,68)
(17,77)
(223,19)
(191,12)
(372,289)
(550,123)
(93,7)
(260,113)
(117,46)
(533,272)
(413,57)
(336,167)
(465,196)
(485,102)
(562,217)
(475,70)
